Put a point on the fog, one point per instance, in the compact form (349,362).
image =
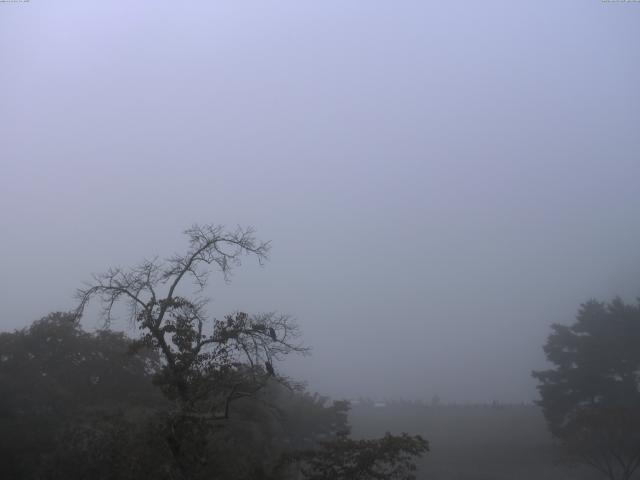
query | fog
(440,181)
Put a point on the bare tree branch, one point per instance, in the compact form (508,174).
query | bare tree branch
(198,363)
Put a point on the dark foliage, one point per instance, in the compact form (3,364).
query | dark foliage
(390,457)
(56,378)
(590,398)
(192,398)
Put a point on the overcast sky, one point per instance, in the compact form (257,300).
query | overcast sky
(441,181)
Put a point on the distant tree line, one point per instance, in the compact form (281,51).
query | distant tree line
(193,397)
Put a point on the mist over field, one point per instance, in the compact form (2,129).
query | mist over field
(439,182)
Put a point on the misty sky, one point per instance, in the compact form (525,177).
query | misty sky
(441,181)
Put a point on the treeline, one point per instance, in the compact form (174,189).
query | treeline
(194,397)
(191,397)
(80,405)
(365,402)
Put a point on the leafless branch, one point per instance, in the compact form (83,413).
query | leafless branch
(236,358)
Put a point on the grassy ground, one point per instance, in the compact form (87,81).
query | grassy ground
(473,442)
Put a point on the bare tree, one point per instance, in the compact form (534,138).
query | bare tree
(207,363)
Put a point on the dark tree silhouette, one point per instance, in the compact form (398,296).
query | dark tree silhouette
(590,398)
(209,366)
(387,458)
(207,363)
(78,405)
(58,384)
